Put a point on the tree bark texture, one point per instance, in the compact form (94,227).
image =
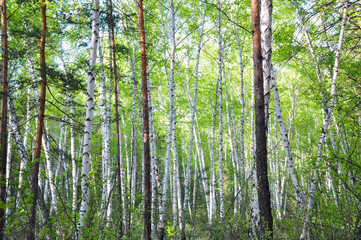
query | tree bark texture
(146,148)
(119,164)
(4,114)
(88,122)
(266,39)
(264,197)
(40,127)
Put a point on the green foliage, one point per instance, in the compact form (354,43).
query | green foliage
(335,214)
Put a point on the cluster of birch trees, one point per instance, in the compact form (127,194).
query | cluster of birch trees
(180,119)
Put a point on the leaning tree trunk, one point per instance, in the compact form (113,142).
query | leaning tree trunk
(88,123)
(40,127)
(326,124)
(264,197)
(4,115)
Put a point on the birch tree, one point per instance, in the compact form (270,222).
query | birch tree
(84,206)
(171,119)
(326,124)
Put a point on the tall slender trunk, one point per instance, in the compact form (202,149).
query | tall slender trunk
(220,112)
(264,198)
(72,154)
(105,132)
(146,149)
(4,114)
(242,100)
(326,124)
(15,130)
(119,163)
(176,183)
(72,134)
(171,119)
(233,146)
(88,123)
(192,103)
(254,198)
(154,173)
(40,127)
(8,168)
(286,143)
(49,170)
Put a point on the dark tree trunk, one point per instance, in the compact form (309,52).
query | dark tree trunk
(115,75)
(264,196)
(146,153)
(39,131)
(4,111)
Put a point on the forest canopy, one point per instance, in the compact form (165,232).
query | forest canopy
(180,119)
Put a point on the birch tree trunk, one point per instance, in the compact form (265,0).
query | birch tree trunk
(286,143)
(193,111)
(15,130)
(154,172)
(8,168)
(326,124)
(220,116)
(118,135)
(253,173)
(105,128)
(51,177)
(88,123)
(72,135)
(171,119)
(266,39)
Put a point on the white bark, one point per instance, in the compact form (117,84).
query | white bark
(8,169)
(171,119)
(326,124)
(15,129)
(177,198)
(28,113)
(72,154)
(266,38)
(254,197)
(49,170)
(154,171)
(286,144)
(105,130)
(242,101)
(88,122)
(203,172)
(220,116)
(233,145)
(72,136)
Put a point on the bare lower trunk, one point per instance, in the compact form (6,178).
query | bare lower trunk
(88,124)
(4,115)
(264,198)
(40,127)
(171,119)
